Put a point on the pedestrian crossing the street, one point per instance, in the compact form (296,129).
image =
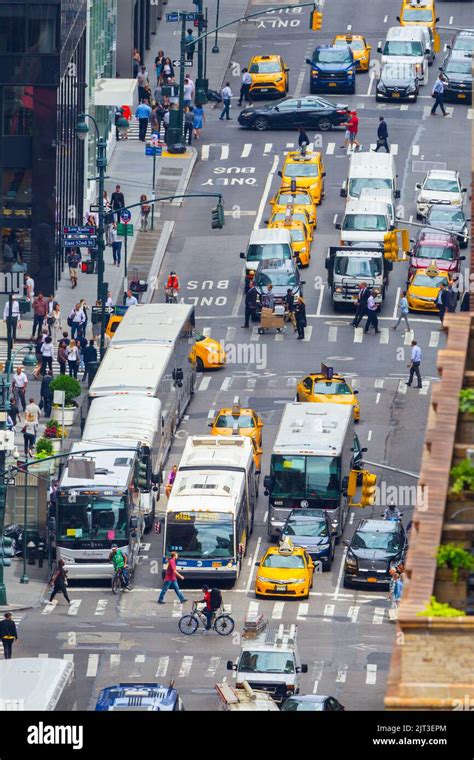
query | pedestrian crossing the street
(18,360)
(17,620)
(222,151)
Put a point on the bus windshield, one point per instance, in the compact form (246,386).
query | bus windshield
(301,477)
(200,539)
(92,518)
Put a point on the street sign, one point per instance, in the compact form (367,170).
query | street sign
(94,208)
(80,230)
(171,17)
(153,150)
(80,242)
(125,215)
(125,230)
(177,63)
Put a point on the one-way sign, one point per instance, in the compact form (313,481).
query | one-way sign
(177,63)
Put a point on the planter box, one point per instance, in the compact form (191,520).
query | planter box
(445,590)
(69,413)
(465,432)
(57,445)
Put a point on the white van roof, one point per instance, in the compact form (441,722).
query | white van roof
(369,164)
(380,194)
(406,33)
(267,237)
(35,682)
(366,207)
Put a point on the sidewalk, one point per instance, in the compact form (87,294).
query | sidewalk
(22,596)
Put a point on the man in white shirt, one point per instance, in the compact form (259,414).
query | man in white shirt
(30,286)
(130,299)
(372,312)
(245,87)
(415,364)
(188,92)
(12,323)
(109,302)
(32,412)
(77,319)
(19,383)
(226,93)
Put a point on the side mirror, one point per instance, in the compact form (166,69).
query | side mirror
(417,186)
(464,190)
(230,665)
(355,392)
(155,477)
(287,70)
(280,174)
(346,543)
(304,668)
(364,450)
(398,18)
(343,192)
(323,174)
(427,51)
(266,481)
(462,258)
(266,221)
(345,482)
(379,48)
(302,282)
(309,61)
(242,255)
(337,225)
(397,193)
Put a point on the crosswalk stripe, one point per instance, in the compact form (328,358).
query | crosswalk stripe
(378,615)
(384,334)
(424,388)
(246,150)
(114,662)
(470,113)
(308,331)
(205,153)
(228,608)
(402,386)
(341,674)
(74,607)
(450,112)
(353,613)
(302,611)
(415,150)
(140,658)
(378,383)
(267,149)
(330,148)
(328,612)
(409,336)
(394,149)
(290,145)
(92,665)
(404,107)
(212,668)
(332,334)
(49,607)
(177,608)
(279,336)
(206,331)
(372,146)
(371,675)
(253,608)
(255,334)
(43,655)
(358,334)
(426,111)
(230,335)
(224,152)
(251,383)
(186,666)
(290,382)
(69,657)
(434,339)
(277,611)
(204,384)
(226,383)
(163,663)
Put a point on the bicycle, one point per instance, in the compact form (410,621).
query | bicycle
(222,623)
(171,295)
(118,582)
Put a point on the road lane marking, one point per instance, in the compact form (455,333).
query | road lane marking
(246,150)
(204,384)
(330,148)
(277,612)
(371,676)
(74,607)
(385,19)
(378,615)
(384,335)
(302,611)
(226,383)
(163,664)
(265,517)
(328,612)
(266,190)
(92,665)
(377,398)
(185,666)
(299,83)
(257,549)
(318,668)
(308,331)
(353,613)
(212,668)
(332,334)
(101,605)
(358,334)
(351,516)
(342,673)
(177,608)
(450,20)
(369,435)
(434,339)
(371,84)
(339,578)
(397,298)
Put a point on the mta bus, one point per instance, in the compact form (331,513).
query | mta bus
(37,684)
(145,697)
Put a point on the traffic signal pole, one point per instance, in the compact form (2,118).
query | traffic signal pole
(4,407)
(182,63)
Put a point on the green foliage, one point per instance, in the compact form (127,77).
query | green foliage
(454,557)
(437,609)
(44,448)
(463,477)
(466,400)
(69,385)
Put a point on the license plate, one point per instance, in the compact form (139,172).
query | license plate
(263,89)
(371,580)
(216,564)
(332,84)
(461,95)
(395,94)
(280,588)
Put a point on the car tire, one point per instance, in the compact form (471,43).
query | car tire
(260,123)
(345,584)
(324,124)
(352,90)
(327,565)
(336,306)
(199,364)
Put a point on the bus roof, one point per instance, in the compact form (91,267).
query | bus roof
(318,429)
(112,468)
(214,451)
(131,369)
(125,418)
(137,696)
(197,491)
(34,683)
(155,322)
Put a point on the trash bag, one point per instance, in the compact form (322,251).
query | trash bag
(214,96)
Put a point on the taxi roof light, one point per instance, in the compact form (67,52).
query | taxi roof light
(286,546)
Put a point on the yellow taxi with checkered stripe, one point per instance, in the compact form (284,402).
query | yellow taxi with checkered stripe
(423,288)
(285,571)
(269,75)
(326,387)
(360,48)
(301,201)
(306,168)
(418,12)
(300,239)
(238,420)
(207,353)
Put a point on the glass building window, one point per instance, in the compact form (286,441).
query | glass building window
(12,28)
(16,191)
(15,249)
(18,111)
(43,28)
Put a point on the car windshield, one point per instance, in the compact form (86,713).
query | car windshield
(92,518)
(357,267)
(199,539)
(464,43)
(414,14)
(365,222)
(301,477)
(265,67)
(442,185)
(297,236)
(397,71)
(401,47)
(374,183)
(290,562)
(277,277)
(435,252)
(385,541)
(302,705)
(298,199)
(266,662)
(446,214)
(297,217)
(425,281)
(301,170)
(354,44)
(306,528)
(459,67)
(268,251)
(331,387)
(341,55)
(228,421)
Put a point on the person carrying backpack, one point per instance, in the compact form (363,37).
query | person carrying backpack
(213,601)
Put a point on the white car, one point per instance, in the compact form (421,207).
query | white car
(439,187)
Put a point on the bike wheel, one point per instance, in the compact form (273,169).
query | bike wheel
(188,624)
(116,583)
(130,579)
(224,625)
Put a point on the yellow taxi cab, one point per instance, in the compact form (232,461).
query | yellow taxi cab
(307,169)
(238,420)
(300,239)
(301,201)
(414,12)
(326,387)
(423,288)
(269,75)
(207,353)
(285,570)
(360,48)
(302,216)
(112,324)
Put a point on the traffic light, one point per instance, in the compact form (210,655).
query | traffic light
(405,241)
(6,551)
(316,20)
(352,484)
(390,246)
(369,484)
(217,222)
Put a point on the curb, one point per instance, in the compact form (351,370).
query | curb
(155,267)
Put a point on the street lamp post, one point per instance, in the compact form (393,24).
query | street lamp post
(215,48)
(24,578)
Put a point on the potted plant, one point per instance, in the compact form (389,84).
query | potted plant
(462,476)
(437,609)
(55,433)
(453,566)
(44,449)
(72,390)
(466,413)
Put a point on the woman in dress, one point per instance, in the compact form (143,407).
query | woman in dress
(167,71)
(159,61)
(199,121)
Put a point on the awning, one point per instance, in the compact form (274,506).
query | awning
(115,92)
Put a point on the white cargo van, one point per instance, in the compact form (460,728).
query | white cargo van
(408,44)
(266,244)
(369,195)
(375,171)
(364,221)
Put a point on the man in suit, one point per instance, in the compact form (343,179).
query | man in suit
(250,303)
(442,303)
(361,306)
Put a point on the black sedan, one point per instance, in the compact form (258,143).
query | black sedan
(398,81)
(312,529)
(457,69)
(311,703)
(375,546)
(289,113)
(450,218)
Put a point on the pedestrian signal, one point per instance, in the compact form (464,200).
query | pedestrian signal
(390,246)
(369,485)
(316,21)
(6,551)
(217,218)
